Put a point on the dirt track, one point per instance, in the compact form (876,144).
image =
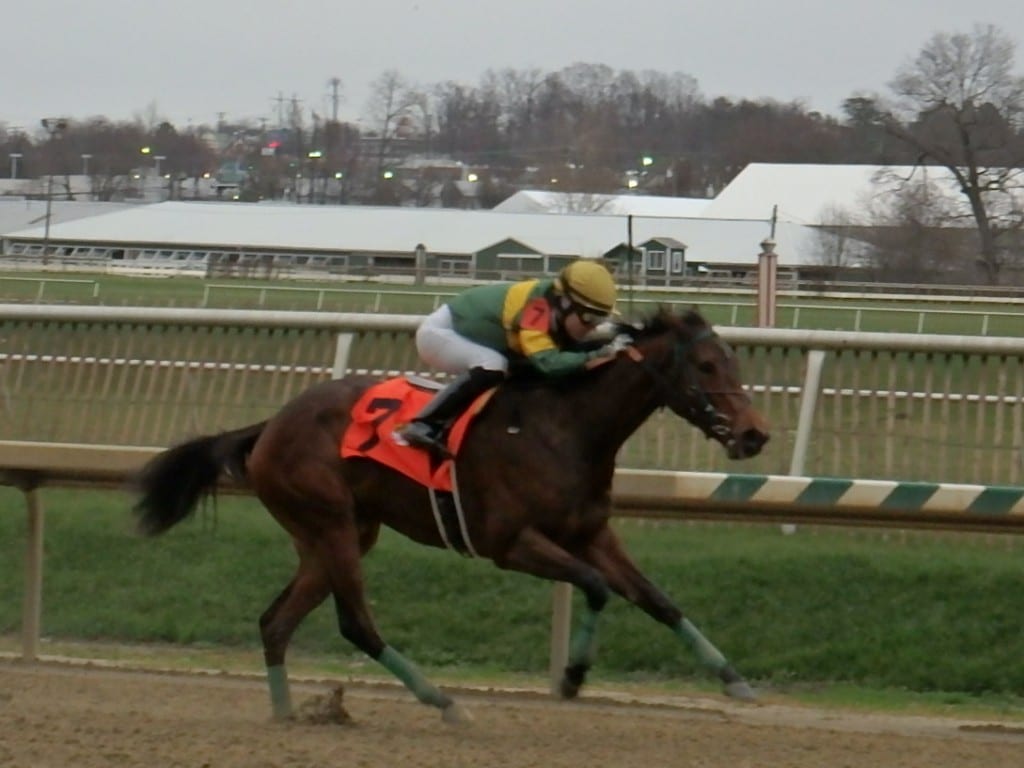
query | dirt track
(57,716)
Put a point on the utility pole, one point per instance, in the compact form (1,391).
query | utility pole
(279,100)
(55,126)
(295,121)
(335,84)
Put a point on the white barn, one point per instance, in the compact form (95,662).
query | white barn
(195,235)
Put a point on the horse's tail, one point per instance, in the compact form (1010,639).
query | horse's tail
(174,482)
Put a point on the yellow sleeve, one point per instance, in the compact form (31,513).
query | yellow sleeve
(531,342)
(526,319)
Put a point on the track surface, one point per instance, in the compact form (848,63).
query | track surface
(59,715)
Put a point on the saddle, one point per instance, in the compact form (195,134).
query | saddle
(386,406)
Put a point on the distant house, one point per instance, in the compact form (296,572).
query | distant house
(656,261)
(230,177)
(664,257)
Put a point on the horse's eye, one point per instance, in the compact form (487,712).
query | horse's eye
(706,367)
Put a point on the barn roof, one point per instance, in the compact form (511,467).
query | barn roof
(400,230)
(18,213)
(543,201)
(817,195)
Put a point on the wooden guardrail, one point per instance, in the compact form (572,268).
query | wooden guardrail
(31,466)
(820,500)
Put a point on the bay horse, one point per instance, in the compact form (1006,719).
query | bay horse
(534,473)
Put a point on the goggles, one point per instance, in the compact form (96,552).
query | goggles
(589,316)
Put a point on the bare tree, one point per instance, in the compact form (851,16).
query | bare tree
(391,98)
(517,96)
(909,229)
(149,117)
(836,247)
(583,202)
(467,121)
(959,105)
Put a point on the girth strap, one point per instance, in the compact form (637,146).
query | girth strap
(450,518)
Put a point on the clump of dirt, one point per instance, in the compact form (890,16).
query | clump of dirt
(993,728)
(326,709)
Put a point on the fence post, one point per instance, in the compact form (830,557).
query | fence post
(561,631)
(342,350)
(767,283)
(808,404)
(32,610)
(420,264)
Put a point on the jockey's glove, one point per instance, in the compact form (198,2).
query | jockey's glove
(613,347)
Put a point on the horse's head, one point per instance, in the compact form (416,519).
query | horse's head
(699,379)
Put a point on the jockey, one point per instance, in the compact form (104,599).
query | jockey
(475,333)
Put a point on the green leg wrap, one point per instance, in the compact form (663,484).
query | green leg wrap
(583,648)
(280,696)
(413,679)
(708,655)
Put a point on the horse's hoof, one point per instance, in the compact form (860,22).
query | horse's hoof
(568,689)
(282,714)
(456,714)
(740,689)
(572,680)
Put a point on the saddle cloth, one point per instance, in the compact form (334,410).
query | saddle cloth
(385,407)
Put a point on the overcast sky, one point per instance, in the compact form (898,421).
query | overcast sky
(195,58)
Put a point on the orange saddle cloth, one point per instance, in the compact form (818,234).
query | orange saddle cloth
(385,407)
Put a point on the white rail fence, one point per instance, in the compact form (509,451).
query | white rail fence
(935,424)
(981,315)
(849,315)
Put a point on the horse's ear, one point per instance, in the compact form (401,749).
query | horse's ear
(694,319)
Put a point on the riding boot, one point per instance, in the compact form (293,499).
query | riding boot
(429,428)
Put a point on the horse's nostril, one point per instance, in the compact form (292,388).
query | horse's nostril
(754,440)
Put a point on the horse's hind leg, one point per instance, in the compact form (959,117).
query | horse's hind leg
(340,553)
(306,591)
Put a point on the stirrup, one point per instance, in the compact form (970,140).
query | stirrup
(420,434)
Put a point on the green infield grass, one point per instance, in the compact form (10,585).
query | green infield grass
(870,616)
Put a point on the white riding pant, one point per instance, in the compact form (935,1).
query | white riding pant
(442,348)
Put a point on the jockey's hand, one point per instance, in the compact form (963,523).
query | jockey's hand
(610,350)
(616,345)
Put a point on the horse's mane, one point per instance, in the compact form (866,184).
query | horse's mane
(660,322)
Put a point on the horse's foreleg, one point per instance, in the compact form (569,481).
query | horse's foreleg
(609,557)
(582,654)
(277,624)
(534,553)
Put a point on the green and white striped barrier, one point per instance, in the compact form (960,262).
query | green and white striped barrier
(825,499)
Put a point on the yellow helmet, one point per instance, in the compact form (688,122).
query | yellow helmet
(588,284)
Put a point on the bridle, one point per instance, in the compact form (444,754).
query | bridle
(692,402)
